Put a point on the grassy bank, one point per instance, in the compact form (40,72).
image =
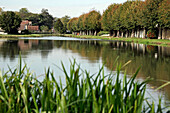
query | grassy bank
(156,42)
(29,35)
(21,91)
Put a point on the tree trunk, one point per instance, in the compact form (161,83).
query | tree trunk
(118,33)
(163,33)
(114,33)
(87,32)
(127,34)
(160,33)
(144,33)
(122,34)
(95,33)
(133,33)
(138,33)
(90,32)
(110,33)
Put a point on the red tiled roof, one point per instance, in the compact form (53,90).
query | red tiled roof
(25,22)
(33,28)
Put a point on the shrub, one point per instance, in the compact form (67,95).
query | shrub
(102,33)
(25,31)
(151,34)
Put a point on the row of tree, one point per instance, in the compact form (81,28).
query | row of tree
(86,24)
(126,18)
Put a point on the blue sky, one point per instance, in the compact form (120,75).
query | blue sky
(58,8)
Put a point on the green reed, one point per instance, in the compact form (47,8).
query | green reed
(21,91)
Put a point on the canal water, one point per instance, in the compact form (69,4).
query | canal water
(91,54)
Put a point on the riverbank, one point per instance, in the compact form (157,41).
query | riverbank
(155,42)
(29,35)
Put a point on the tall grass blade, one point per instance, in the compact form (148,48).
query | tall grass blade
(3,89)
(164,85)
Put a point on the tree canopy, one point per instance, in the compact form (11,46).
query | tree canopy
(58,26)
(65,20)
(164,13)
(45,19)
(150,13)
(10,22)
(109,18)
(86,22)
(72,24)
(93,19)
(24,13)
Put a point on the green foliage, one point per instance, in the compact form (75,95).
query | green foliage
(150,13)
(86,22)
(59,27)
(82,93)
(44,28)
(151,33)
(45,19)
(65,20)
(10,22)
(35,19)
(25,31)
(130,15)
(80,23)
(24,13)
(24,10)
(72,24)
(102,33)
(108,17)
(94,20)
(164,13)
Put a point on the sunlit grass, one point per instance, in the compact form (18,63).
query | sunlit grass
(156,42)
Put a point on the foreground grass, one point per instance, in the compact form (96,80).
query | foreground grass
(82,93)
(156,42)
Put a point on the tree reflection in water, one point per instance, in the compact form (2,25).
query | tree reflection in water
(154,60)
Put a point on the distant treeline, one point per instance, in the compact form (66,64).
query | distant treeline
(44,20)
(130,19)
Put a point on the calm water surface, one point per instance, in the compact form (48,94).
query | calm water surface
(41,53)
